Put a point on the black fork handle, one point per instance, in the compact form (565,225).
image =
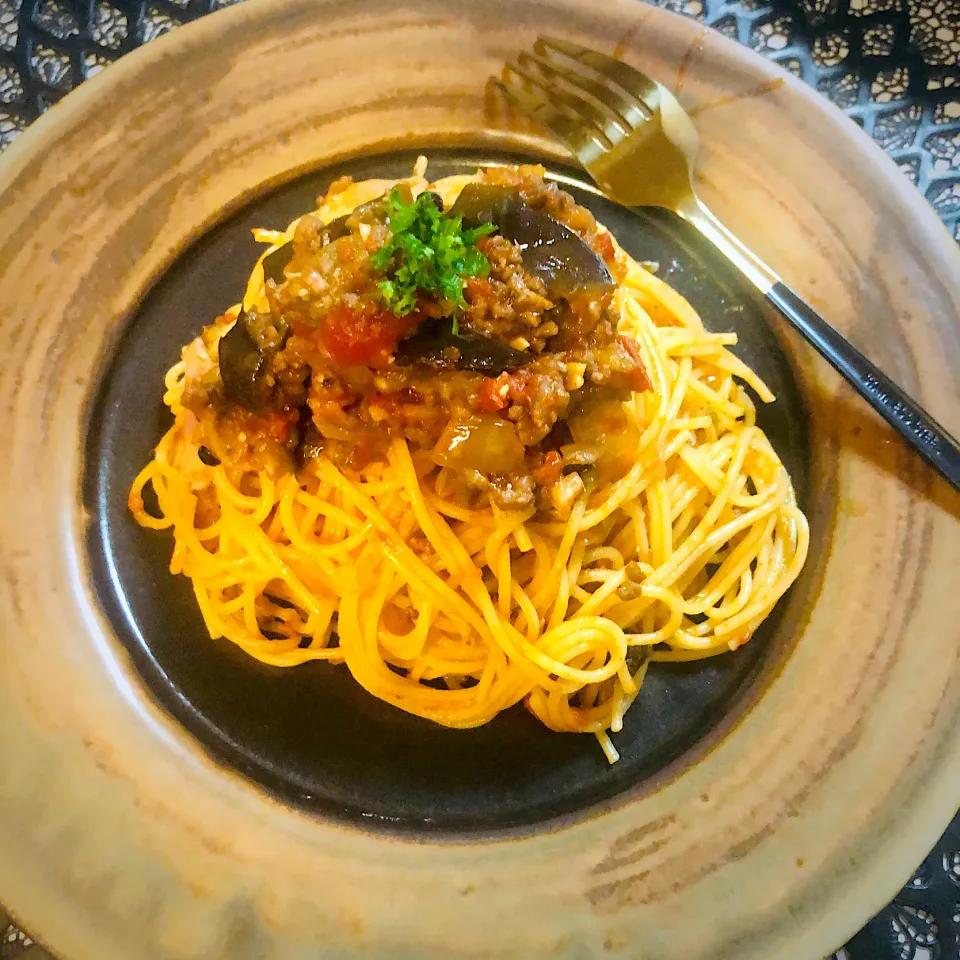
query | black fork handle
(904,414)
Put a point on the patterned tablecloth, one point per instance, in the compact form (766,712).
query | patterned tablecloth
(893,66)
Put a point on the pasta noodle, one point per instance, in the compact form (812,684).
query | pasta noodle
(455,613)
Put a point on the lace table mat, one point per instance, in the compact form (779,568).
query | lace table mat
(893,66)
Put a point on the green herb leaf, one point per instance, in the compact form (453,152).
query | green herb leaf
(428,254)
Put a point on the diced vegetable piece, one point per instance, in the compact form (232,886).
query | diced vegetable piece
(363,336)
(605,427)
(482,443)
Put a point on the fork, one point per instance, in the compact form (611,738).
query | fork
(640,147)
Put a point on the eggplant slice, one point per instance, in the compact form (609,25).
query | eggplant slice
(550,250)
(555,254)
(435,345)
(275,263)
(244,367)
(481,203)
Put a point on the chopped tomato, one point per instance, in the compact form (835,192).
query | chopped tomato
(492,396)
(278,425)
(364,336)
(638,379)
(273,426)
(603,245)
(550,470)
(477,289)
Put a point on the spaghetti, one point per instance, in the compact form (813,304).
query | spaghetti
(454,607)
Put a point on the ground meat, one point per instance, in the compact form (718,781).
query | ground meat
(324,272)
(334,385)
(533,398)
(338,274)
(509,303)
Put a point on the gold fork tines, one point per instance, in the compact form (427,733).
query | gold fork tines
(641,148)
(605,111)
(573,119)
(572,99)
(640,87)
(622,109)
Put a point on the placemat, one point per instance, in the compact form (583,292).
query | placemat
(893,66)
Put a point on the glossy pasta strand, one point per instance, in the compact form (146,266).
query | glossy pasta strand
(679,559)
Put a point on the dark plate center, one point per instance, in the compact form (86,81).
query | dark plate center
(309,734)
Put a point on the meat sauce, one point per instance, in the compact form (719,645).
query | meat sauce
(494,389)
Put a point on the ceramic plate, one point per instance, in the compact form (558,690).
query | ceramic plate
(164,796)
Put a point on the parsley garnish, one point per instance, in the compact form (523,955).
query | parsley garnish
(428,253)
